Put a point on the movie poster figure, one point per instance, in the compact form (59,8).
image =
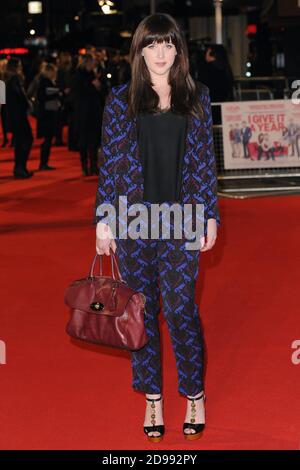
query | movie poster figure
(246,134)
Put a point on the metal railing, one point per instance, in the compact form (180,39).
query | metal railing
(278,86)
(248,94)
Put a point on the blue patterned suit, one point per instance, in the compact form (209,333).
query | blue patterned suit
(165,266)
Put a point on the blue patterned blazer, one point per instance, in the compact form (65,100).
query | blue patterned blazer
(120,171)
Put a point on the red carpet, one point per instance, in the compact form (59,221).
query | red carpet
(56,394)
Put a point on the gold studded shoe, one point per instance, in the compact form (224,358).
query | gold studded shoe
(154,428)
(197,427)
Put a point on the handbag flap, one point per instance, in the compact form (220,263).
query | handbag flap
(99,294)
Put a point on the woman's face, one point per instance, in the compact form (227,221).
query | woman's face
(159,57)
(51,74)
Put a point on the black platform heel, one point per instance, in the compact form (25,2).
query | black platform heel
(198,427)
(154,428)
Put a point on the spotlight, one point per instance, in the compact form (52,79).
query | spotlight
(107,7)
(35,8)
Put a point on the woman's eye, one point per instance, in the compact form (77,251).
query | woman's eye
(169,46)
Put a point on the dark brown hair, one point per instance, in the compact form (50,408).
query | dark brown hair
(13,69)
(141,97)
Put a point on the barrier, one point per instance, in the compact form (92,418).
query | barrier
(250,181)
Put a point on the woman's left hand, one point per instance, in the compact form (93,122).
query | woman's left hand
(211,235)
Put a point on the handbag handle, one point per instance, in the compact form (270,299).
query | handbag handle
(114,266)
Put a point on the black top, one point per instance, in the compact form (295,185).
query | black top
(161,139)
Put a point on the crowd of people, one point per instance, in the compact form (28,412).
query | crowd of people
(70,90)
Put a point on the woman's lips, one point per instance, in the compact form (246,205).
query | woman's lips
(160,64)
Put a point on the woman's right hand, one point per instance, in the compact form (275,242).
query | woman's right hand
(104,239)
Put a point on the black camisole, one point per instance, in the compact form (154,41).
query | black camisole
(161,139)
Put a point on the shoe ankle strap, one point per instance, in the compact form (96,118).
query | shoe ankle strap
(153,399)
(198,398)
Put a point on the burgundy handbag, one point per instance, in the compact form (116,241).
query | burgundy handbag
(104,310)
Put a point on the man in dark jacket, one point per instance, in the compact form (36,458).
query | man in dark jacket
(89,102)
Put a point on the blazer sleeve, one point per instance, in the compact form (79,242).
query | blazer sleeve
(105,193)
(211,196)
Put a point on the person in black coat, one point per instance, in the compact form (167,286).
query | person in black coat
(33,88)
(217,75)
(48,98)
(89,102)
(17,107)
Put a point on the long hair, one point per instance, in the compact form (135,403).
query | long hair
(3,64)
(141,97)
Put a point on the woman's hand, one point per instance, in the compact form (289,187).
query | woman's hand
(104,239)
(211,235)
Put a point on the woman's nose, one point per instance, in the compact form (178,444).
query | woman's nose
(160,51)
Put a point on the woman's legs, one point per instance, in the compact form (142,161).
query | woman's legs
(141,263)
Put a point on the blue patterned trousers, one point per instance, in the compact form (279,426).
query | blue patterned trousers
(154,266)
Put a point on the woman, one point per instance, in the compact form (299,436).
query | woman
(33,89)
(157,146)
(48,98)
(217,65)
(17,108)
(88,108)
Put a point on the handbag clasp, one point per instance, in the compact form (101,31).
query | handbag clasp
(96,306)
